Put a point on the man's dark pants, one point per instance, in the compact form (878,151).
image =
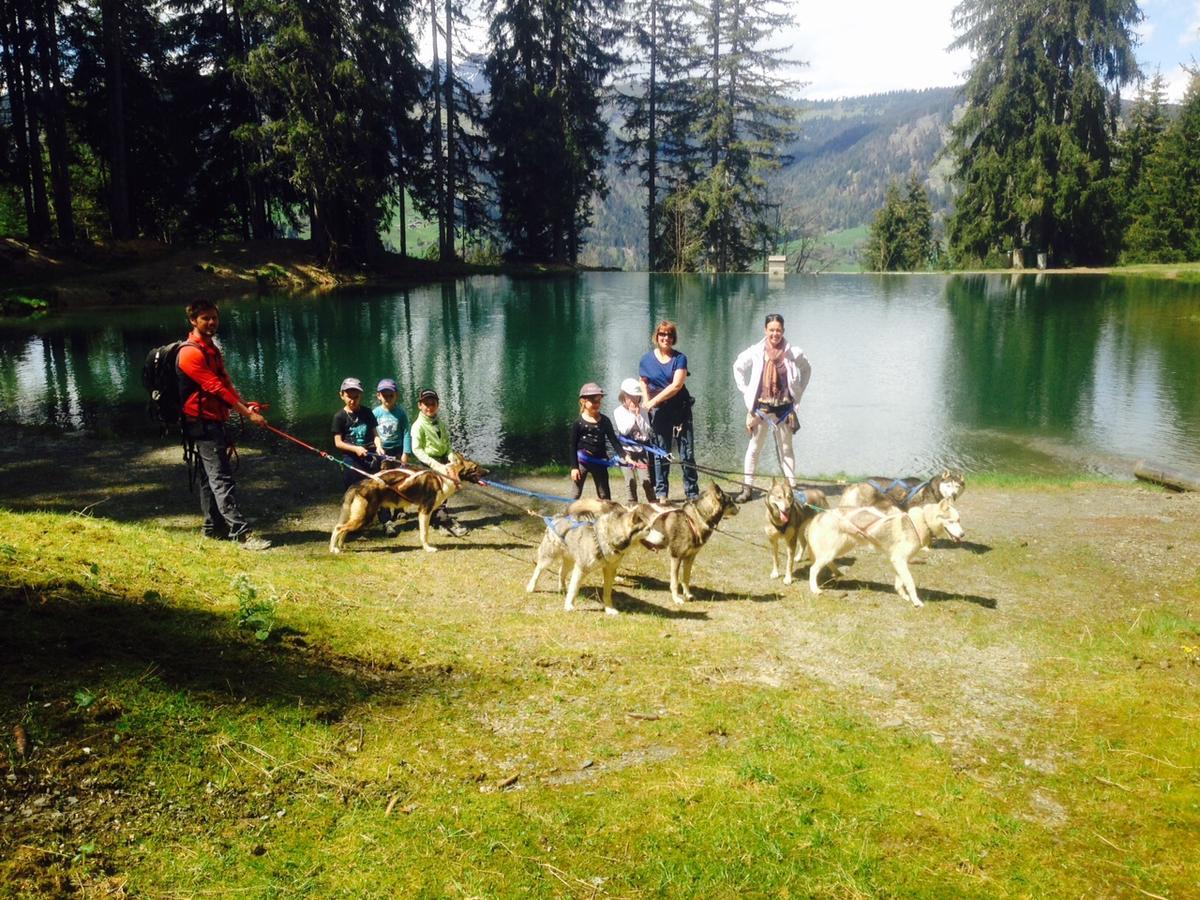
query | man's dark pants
(214,476)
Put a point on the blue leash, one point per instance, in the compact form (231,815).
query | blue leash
(612,462)
(499,485)
(649,448)
(779,417)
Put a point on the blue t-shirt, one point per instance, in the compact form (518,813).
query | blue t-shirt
(660,375)
(393,429)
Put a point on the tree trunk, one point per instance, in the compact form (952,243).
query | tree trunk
(9,27)
(652,142)
(449,204)
(56,125)
(122,227)
(438,179)
(403,217)
(39,225)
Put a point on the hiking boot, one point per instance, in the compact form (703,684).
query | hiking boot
(455,528)
(745,496)
(248,541)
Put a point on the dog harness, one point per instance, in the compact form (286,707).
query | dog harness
(896,483)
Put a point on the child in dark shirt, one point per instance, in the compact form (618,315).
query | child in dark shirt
(588,435)
(355,433)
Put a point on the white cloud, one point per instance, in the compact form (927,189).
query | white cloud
(870,46)
(1191,32)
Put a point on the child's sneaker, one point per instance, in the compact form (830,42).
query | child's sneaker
(391,528)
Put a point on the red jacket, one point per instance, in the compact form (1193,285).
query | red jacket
(204,366)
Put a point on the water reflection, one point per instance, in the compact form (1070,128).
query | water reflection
(909,372)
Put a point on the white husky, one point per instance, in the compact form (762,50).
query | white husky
(898,534)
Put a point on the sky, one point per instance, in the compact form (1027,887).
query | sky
(851,45)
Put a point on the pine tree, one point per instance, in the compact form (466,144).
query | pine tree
(326,73)
(658,36)
(546,65)
(901,235)
(1034,149)
(736,121)
(1166,227)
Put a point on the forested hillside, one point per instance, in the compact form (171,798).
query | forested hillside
(847,153)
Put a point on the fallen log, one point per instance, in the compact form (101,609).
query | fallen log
(1175,479)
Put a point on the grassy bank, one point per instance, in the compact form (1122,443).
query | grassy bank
(148,272)
(384,722)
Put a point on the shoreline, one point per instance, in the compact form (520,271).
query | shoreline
(148,272)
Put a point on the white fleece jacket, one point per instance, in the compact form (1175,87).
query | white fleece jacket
(748,369)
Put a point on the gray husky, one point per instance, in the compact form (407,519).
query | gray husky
(682,532)
(788,513)
(897,533)
(592,534)
(905,492)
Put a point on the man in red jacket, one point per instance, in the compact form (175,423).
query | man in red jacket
(208,396)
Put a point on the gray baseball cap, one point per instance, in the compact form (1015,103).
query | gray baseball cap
(591,389)
(351,384)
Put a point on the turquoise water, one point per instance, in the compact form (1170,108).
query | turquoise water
(1037,374)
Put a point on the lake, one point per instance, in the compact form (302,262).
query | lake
(1034,374)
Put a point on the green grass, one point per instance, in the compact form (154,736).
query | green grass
(413,724)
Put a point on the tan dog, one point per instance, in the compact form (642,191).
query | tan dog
(898,534)
(905,492)
(787,516)
(420,492)
(683,532)
(593,534)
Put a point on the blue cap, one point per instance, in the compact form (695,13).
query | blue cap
(386,384)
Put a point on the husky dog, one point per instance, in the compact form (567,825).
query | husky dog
(788,512)
(592,534)
(554,552)
(898,534)
(905,492)
(419,492)
(684,531)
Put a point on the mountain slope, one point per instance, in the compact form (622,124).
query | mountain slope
(847,153)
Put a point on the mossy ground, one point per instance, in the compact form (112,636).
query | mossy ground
(417,724)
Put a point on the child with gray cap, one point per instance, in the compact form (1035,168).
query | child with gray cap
(355,433)
(588,435)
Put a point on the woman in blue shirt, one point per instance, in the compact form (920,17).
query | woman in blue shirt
(663,372)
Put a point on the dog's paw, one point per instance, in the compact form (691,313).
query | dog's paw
(611,611)
(917,602)
(429,548)
(568,606)
(774,573)
(787,579)
(677,599)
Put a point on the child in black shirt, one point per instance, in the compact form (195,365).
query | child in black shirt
(588,435)
(355,434)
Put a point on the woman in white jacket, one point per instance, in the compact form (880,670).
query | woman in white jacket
(771,376)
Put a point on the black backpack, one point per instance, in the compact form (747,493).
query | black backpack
(161,380)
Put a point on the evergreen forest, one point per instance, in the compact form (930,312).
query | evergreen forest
(655,134)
